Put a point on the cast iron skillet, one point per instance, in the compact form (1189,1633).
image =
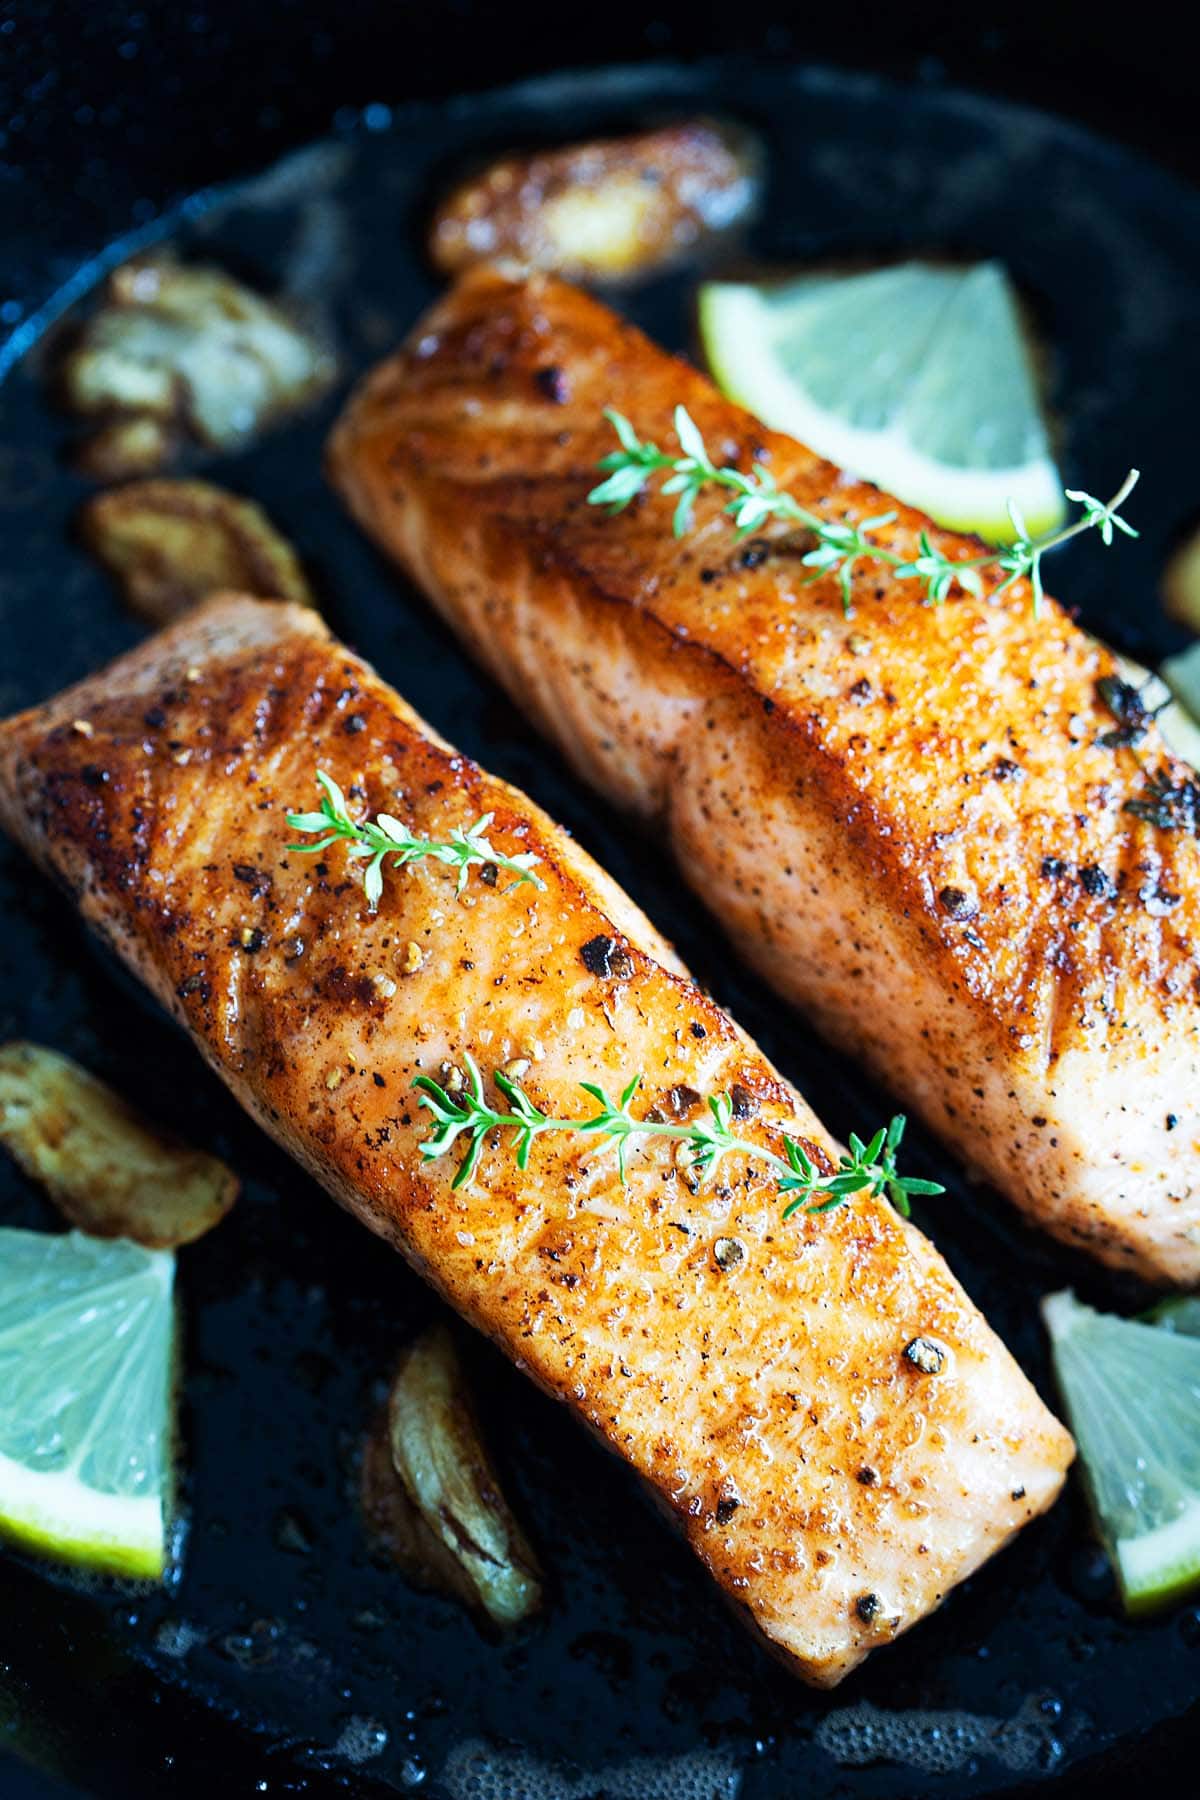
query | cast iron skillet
(285,1655)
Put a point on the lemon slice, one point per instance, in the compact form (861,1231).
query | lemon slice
(916,377)
(1132,1393)
(86,1377)
(1180,1314)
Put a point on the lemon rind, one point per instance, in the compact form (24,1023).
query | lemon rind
(56,1515)
(970,500)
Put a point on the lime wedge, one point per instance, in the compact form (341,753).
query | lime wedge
(1132,1393)
(916,377)
(86,1378)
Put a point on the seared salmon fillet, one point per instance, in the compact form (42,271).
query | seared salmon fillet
(912,820)
(838,1432)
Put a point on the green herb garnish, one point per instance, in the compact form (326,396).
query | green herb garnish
(840,546)
(385,840)
(469,1114)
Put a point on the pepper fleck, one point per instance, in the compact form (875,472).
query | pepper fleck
(553,384)
(958,904)
(1096,883)
(603,956)
(925,1355)
(728,1252)
(868,1607)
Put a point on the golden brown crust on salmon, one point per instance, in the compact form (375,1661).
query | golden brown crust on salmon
(913,820)
(834,1489)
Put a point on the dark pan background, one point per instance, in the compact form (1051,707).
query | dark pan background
(107,116)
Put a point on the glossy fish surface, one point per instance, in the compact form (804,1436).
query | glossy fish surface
(925,824)
(834,1427)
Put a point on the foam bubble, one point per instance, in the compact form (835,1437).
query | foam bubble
(175,1637)
(941,1742)
(476,1771)
(361,1740)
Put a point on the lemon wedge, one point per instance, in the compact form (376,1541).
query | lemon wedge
(86,1383)
(916,377)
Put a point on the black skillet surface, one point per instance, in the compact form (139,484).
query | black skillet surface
(285,1657)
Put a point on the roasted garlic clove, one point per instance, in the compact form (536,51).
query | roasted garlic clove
(186,347)
(446,1521)
(107,1170)
(611,210)
(171,543)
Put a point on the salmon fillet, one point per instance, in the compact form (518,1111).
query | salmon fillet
(908,819)
(834,1488)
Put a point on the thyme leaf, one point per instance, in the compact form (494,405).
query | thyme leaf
(385,842)
(841,545)
(1169,805)
(470,1115)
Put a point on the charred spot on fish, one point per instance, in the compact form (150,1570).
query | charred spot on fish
(697,1030)
(752,555)
(1172,1120)
(258,880)
(866,1476)
(957,903)
(868,1607)
(1004,769)
(604,957)
(742,1101)
(923,1354)
(1054,868)
(293,949)
(861,692)
(726,1508)
(680,1100)
(354,724)
(552,382)
(154,717)
(93,776)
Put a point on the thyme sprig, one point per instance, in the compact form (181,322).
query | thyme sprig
(384,841)
(840,546)
(469,1114)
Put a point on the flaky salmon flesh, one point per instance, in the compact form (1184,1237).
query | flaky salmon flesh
(835,1480)
(911,820)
